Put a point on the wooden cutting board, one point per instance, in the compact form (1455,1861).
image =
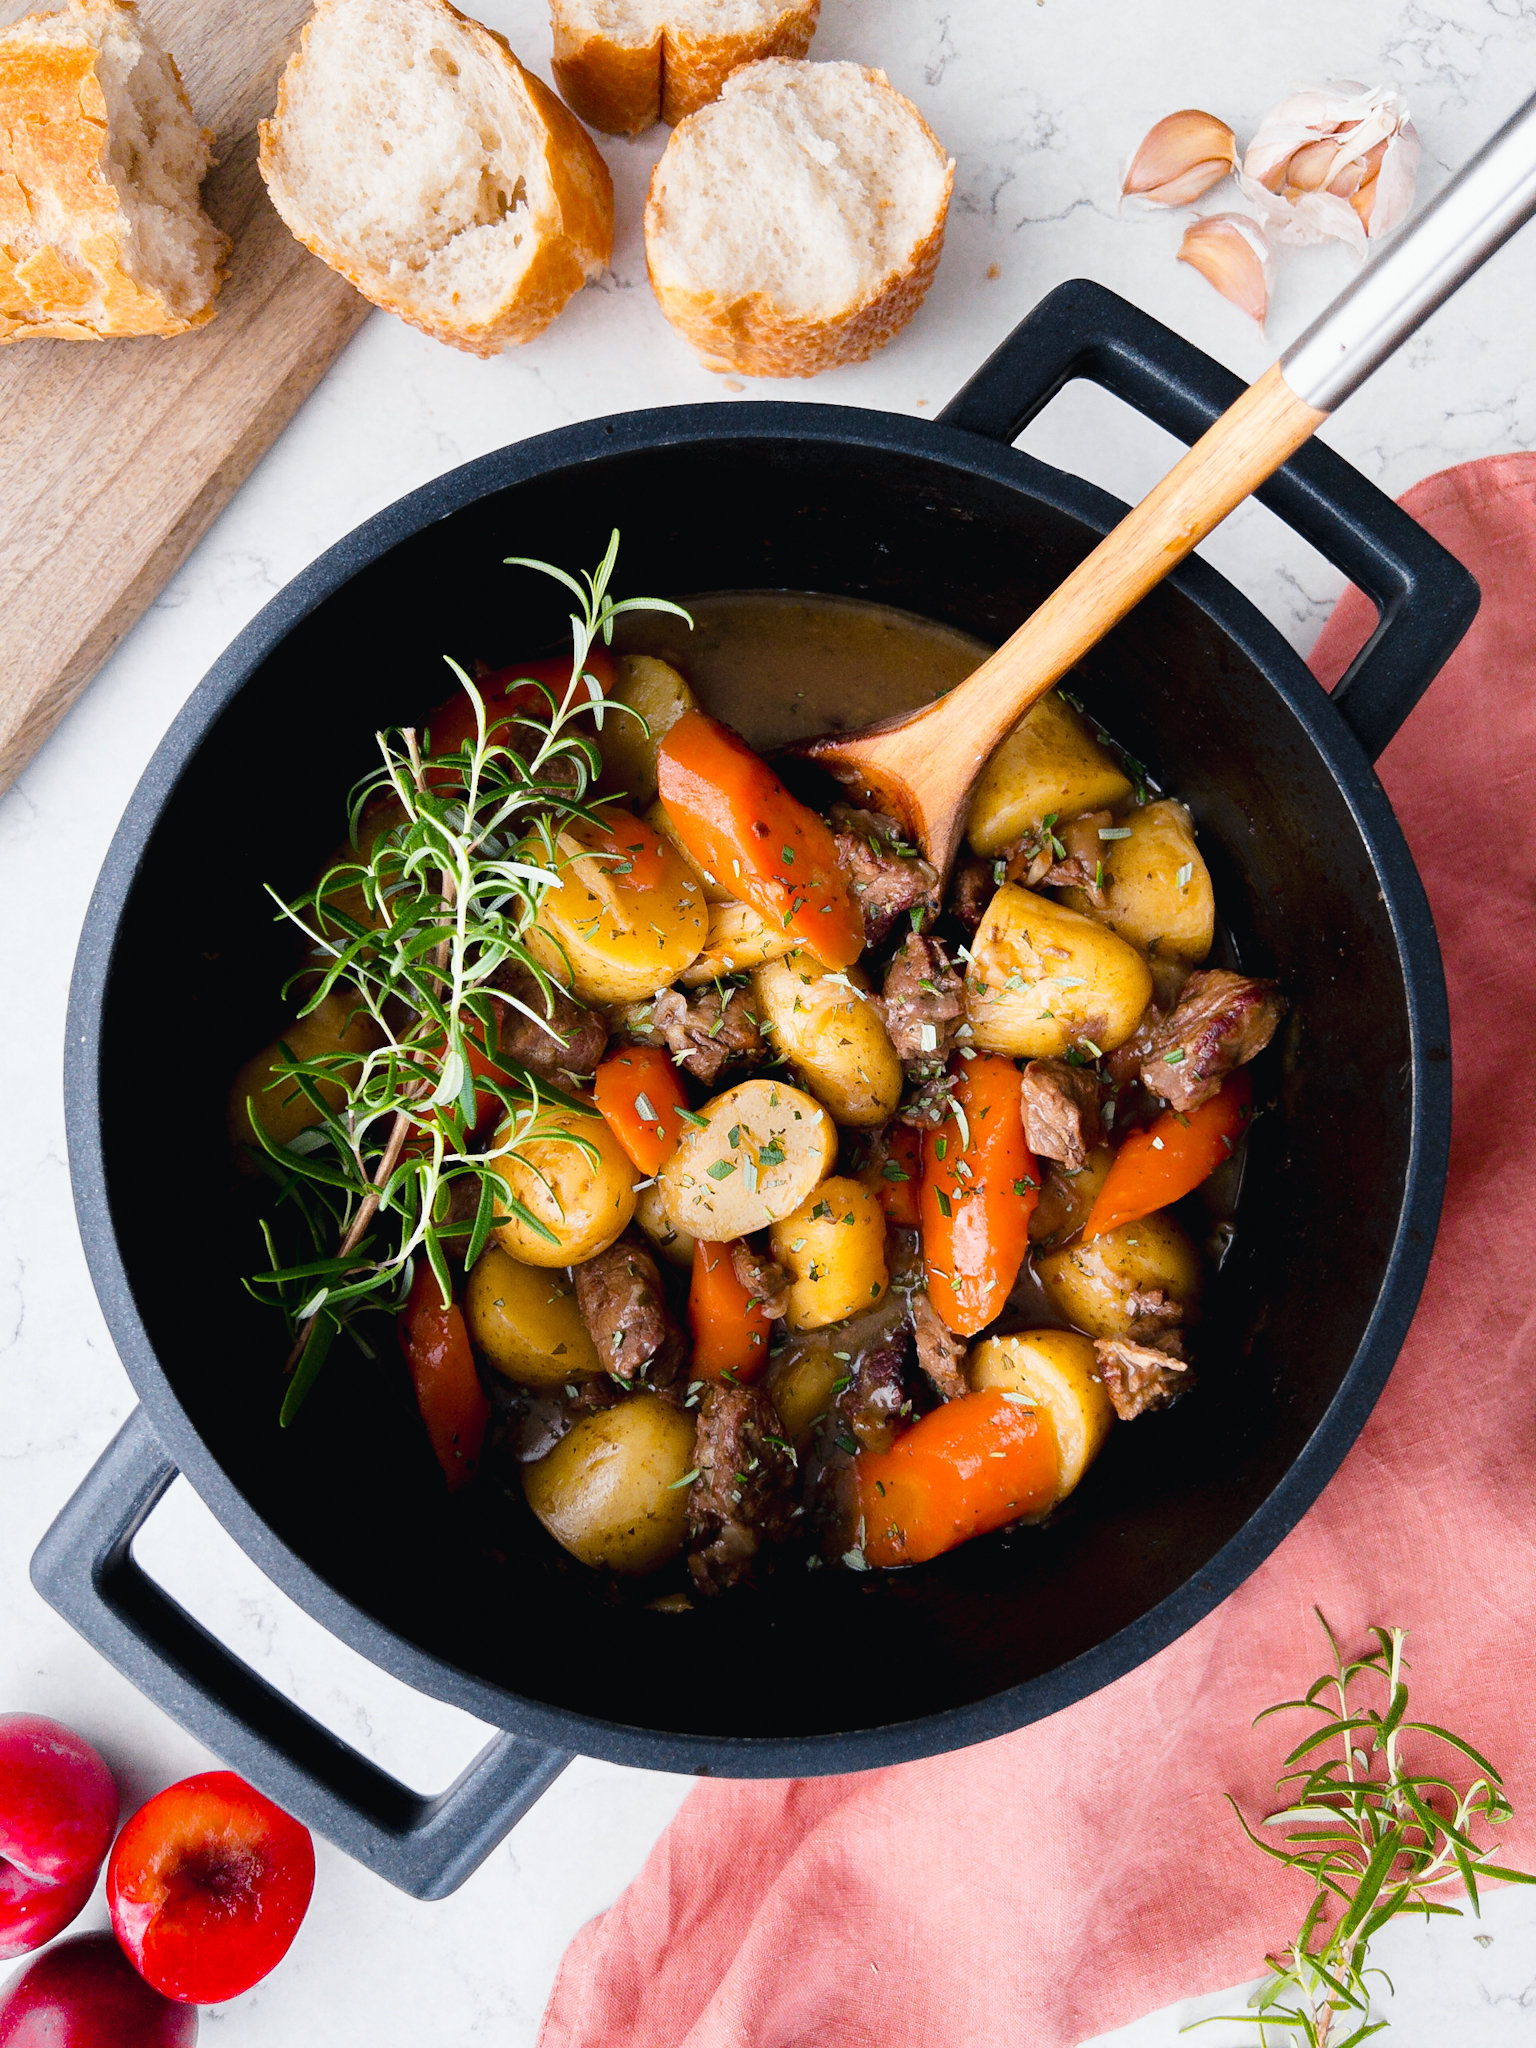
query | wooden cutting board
(115,456)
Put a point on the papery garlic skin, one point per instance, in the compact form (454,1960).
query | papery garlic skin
(1180,159)
(1232,252)
(1334,162)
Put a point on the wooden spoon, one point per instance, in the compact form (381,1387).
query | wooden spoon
(920,768)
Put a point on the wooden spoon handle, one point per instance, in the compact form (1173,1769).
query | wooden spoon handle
(925,782)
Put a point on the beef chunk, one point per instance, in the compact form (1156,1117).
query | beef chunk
(1123,1065)
(939,1350)
(1221,1021)
(974,886)
(707,1032)
(1060,1105)
(621,1302)
(888,876)
(741,1498)
(1078,863)
(1152,1311)
(763,1278)
(922,1004)
(876,1393)
(1140,1377)
(561,1036)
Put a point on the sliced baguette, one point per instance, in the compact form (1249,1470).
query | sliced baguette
(796,222)
(624,64)
(102,232)
(412,152)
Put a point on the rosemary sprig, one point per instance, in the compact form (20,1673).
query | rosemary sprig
(454,854)
(1374,1837)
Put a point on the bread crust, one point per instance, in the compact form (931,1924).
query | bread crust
(53,141)
(755,338)
(624,88)
(580,246)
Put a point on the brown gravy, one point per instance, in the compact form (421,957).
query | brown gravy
(779,665)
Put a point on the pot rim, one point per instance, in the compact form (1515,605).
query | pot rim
(801,422)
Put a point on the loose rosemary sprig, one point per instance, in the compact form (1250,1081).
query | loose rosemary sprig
(454,854)
(1374,1841)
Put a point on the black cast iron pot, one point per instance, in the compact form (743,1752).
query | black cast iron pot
(177,976)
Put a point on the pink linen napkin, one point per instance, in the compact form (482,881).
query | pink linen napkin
(1060,1881)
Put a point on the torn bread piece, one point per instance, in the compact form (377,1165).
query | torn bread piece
(102,232)
(796,222)
(412,152)
(625,64)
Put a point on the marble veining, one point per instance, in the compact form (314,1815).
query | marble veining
(1039,103)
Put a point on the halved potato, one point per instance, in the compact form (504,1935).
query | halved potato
(1055,1371)
(583,1193)
(1049,765)
(803,1383)
(659,694)
(761,1149)
(832,1035)
(833,1248)
(738,939)
(1066,1198)
(1157,888)
(338,1023)
(525,1322)
(1092,1284)
(1043,978)
(675,1245)
(609,1491)
(607,939)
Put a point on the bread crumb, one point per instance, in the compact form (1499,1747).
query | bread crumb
(994,270)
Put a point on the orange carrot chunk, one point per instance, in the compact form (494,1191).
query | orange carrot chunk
(743,827)
(505,698)
(896,1178)
(448,1393)
(980,1188)
(730,1331)
(973,1465)
(1171,1156)
(639,1093)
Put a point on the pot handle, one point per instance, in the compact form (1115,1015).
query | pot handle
(1425,600)
(426,1846)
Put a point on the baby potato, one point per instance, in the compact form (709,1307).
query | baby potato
(802,1384)
(1066,1198)
(1147,902)
(659,818)
(607,939)
(675,1245)
(583,1197)
(1043,977)
(524,1321)
(833,1037)
(608,1491)
(833,1248)
(761,1149)
(655,690)
(338,1023)
(1050,763)
(1092,1284)
(1056,1372)
(738,938)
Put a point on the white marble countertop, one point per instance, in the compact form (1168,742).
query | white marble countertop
(1039,104)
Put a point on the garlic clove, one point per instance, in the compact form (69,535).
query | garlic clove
(1181,158)
(1231,252)
(1333,162)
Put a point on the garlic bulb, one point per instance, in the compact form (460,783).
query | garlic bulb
(1232,252)
(1334,162)
(1181,158)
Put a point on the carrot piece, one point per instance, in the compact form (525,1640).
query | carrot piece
(980,1187)
(973,1465)
(639,1092)
(895,1180)
(730,1331)
(448,1393)
(742,826)
(453,721)
(1171,1156)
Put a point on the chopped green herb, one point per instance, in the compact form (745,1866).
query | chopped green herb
(721,1170)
